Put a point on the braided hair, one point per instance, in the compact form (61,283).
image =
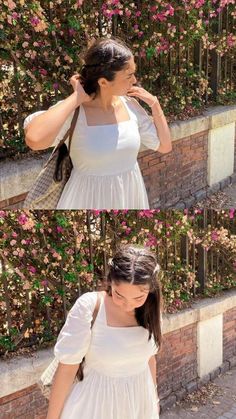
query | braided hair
(104,58)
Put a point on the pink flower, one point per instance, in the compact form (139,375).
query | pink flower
(231,212)
(71,32)
(128,13)
(43,71)
(2,214)
(214,236)
(115,212)
(35,21)
(59,229)
(128,230)
(97,212)
(22,219)
(12,242)
(32,269)
(14,234)
(44,283)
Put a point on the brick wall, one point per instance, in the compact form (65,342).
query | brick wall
(177,363)
(177,177)
(229,336)
(24,404)
(14,202)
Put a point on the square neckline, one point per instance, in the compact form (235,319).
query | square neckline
(108,125)
(105,316)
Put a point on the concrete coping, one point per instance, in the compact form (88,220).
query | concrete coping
(200,311)
(21,372)
(17,176)
(213,117)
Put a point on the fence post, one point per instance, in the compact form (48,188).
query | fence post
(88,213)
(215,59)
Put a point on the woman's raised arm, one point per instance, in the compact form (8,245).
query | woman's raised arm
(41,132)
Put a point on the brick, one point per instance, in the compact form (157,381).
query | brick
(224,367)
(4,204)
(190,202)
(214,373)
(233,176)
(232,361)
(180,205)
(180,394)
(200,195)
(17,198)
(224,183)
(192,386)
(168,402)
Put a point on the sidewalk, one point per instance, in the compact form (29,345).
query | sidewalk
(215,400)
(222,199)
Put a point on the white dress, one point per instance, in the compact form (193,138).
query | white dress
(106,174)
(117,380)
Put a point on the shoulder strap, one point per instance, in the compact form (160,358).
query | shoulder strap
(69,131)
(96,308)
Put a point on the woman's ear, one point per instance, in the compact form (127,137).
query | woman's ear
(103,83)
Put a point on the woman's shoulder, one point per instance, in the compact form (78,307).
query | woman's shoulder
(87,297)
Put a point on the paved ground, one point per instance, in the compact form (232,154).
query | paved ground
(222,199)
(215,400)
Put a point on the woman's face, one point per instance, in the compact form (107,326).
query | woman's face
(124,80)
(128,296)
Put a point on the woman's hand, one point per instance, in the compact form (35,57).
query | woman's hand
(79,90)
(142,94)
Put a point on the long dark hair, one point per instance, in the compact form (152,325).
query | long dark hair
(104,58)
(138,266)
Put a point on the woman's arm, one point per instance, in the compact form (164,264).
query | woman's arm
(62,383)
(153,369)
(160,122)
(43,129)
(162,128)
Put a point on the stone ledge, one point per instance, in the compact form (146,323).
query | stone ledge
(18,176)
(20,372)
(200,311)
(213,117)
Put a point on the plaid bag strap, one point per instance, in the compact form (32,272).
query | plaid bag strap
(69,131)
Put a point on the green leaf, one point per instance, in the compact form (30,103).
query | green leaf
(70,277)
(74,23)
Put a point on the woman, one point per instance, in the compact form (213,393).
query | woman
(111,128)
(120,369)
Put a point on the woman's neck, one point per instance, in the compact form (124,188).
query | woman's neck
(107,103)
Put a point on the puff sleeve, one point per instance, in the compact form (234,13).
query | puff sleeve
(147,128)
(74,338)
(63,129)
